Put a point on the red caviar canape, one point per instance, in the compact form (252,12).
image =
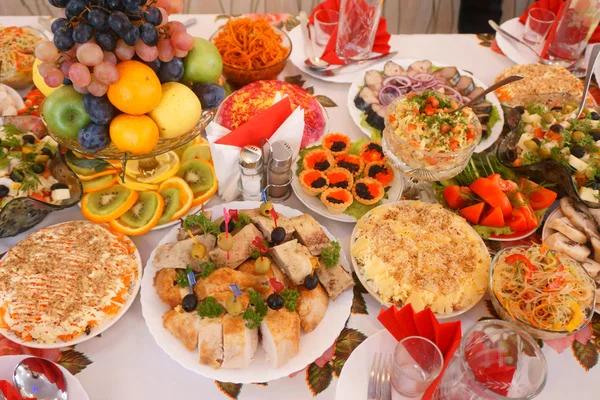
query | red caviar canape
(337,200)
(372,151)
(319,159)
(340,178)
(368,191)
(381,171)
(352,163)
(336,143)
(313,182)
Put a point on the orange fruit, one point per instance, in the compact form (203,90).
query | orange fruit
(97,175)
(120,224)
(136,134)
(99,183)
(186,196)
(138,89)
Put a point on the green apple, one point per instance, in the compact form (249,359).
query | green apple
(203,63)
(64,113)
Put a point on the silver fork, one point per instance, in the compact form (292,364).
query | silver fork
(380,386)
(334,71)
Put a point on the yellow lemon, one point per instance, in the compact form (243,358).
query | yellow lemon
(178,112)
(38,80)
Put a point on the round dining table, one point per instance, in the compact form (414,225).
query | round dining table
(125,363)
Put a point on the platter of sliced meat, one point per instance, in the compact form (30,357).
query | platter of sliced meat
(261,310)
(374,89)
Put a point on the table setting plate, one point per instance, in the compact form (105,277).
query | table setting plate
(312,345)
(358,82)
(74,389)
(97,330)
(515,52)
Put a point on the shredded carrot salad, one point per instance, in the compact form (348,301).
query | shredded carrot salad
(17,48)
(250,44)
(543,288)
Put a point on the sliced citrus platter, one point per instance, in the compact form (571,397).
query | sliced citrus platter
(155,192)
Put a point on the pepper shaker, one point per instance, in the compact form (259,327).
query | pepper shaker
(252,180)
(280,170)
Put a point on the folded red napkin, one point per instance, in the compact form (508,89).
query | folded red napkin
(380,45)
(261,126)
(405,322)
(556,6)
(9,391)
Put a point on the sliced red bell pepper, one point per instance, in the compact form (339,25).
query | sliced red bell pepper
(506,185)
(493,218)
(492,194)
(521,203)
(557,282)
(473,213)
(539,197)
(517,221)
(457,197)
(529,267)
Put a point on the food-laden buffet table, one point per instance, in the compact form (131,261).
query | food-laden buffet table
(125,361)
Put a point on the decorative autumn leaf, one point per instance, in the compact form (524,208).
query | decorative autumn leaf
(359,306)
(222,16)
(347,341)
(310,90)
(358,284)
(485,39)
(491,309)
(291,22)
(586,354)
(95,163)
(74,361)
(318,379)
(485,44)
(325,101)
(295,80)
(596,325)
(231,390)
(493,246)
(261,383)
(540,343)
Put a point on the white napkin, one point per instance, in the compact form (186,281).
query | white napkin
(226,157)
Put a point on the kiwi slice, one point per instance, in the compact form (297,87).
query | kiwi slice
(142,211)
(198,175)
(172,200)
(200,150)
(107,201)
(100,182)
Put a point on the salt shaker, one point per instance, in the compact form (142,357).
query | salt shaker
(252,180)
(280,170)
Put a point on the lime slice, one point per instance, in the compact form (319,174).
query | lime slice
(154,170)
(200,150)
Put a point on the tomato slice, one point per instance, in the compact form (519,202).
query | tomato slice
(492,194)
(506,185)
(493,218)
(517,221)
(457,197)
(38,196)
(521,203)
(539,197)
(473,213)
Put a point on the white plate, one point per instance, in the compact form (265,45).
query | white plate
(316,205)
(515,52)
(513,238)
(19,103)
(94,331)
(312,345)
(357,115)
(298,56)
(376,295)
(353,382)
(74,389)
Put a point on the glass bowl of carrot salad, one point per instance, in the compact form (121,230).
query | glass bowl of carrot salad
(546,293)
(17,45)
(252,50)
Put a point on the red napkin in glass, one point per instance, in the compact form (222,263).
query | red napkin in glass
(380,45)
(405,322)
(261,126)
(9,391)
(556,6)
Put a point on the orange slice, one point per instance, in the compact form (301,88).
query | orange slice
(120,226)
(99,183)
(186,196)
(85,178)
(99,217)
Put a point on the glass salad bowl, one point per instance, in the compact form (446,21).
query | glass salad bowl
(548,168)
(424,165)
(22,213)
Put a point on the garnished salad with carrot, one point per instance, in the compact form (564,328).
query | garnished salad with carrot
(493,199)
(427,121)
(543,288)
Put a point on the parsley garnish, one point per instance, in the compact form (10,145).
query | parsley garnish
(531,158)
(242,221)
(11,142)
(587,141)
(207,269)
(11,129)
(584,125)
(209,308)
(255,253)
(538,109)
(330,256)
(290,298)
(203,222)
(257,310)
(31,180)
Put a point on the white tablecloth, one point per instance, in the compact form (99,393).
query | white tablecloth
(128,364)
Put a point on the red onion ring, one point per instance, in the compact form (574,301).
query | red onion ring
(387,98)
